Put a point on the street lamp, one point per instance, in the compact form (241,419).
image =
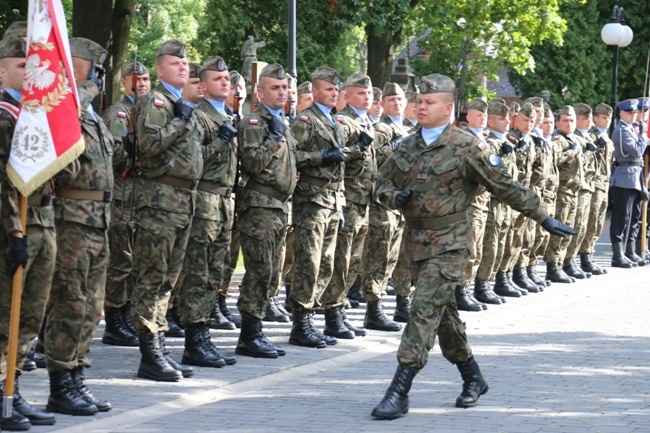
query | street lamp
(617,34)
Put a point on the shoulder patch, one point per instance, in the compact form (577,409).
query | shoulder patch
(494,159)
(556,137)
(158,102)
(121,114)
(340,119)
(482,145)
(304,118)
(253,122)
(381,129)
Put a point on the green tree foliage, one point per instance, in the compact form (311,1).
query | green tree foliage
(10,11)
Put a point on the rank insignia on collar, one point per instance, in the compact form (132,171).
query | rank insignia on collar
(158,102)
(253,122)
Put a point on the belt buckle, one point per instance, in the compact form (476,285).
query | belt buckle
(108,195)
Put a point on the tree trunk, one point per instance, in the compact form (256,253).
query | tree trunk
(122,16)
(381,50)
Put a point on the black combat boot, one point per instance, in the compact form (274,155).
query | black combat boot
(483,293)
(273,313)
(175,329)
(280,306)
(514,285)
(153,364)
(29,365)
(396,400)
(328,339)
(228,359)
(334,326)
(502,286)
(631,254)
(223,306)
(80,381)
(127,320)
(587,265)
(197,352)
(252,341)
(302,334)
(555,274)
(570,269)
(17,421)
(466,302)
(520,278)
(65,397)
(116,333)
(219,321)
(22,407)
(38,358)
(390,286)
(618,259)
(185,370)
(376,318)
(358,331)
(474,385)
(402,308)
(531,271)
(354,294)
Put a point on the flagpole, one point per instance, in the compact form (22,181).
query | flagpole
(14,322)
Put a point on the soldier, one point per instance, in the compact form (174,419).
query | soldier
(305,97)
(376,109)
(410,112)
(193,92)
(207,247)
(292,99)
(432,177)
(117,308)
(82,215)
(340,98)
(169,165)
(268,178)
(359,187)
(317,205)
(603,158)
(37,255)
(514,111)
(627,188)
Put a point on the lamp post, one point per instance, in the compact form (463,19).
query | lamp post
(619,35)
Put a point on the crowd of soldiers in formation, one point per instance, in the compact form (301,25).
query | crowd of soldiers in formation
(174,181)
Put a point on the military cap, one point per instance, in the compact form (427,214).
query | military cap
(436,83)
(567,110)
(17,28)
(341,86)
(515,107)
(528,110)
(498,109)
(535,101)
(234,77)
(13,46)
(127,68)
(88,50)
(273,70)
(391,89)
(304,87)
(548,112)
(358,80)
(327,74)
(194,70)
(411,96)
(582,109)
(497,99)
(628,105)
(215,63)
(172,47)
(644,103)
(377,93)
(603,109)
(478,104)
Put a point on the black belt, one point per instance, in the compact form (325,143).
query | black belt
(637,163)
(40,200)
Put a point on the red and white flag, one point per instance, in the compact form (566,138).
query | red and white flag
(48,133)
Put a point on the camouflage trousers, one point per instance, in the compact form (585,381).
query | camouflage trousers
(433,311)
(514,241)
(158,252)
(314,242)
(597,213)
(565,211)
(497,229)
(77,296)
(381,251)
(37,281)
(203,267)
(119,282)
(287,267)
(262,233)
(231,259)
(583,209)
(479,220)
(402,278)
(350,238)
(542,237)
(528,240)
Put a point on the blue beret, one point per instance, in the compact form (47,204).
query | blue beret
(628,105)
(644,103)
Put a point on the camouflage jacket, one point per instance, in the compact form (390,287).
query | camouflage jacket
(219,161)
(524,159)
(603,159)
(481,200)
(265,162)
(570,168)
(544,178)
(360,172)
(385,131)
(92,171)
(445,176)
(314,132)
(117,118)
(10,209)
(167,146)
(588,161)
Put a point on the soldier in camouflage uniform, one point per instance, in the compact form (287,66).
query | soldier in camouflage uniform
(432,177)
(410,121)
(119,283)
(36,252)
(169,165)
(305,97)
(82,216)
(377,108)
(212,221)
(603,158)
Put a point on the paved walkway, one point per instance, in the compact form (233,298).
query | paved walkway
(575,358)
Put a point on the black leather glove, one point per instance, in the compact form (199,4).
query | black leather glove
(403,197)
(539,141)
(331,156)
(507,147)
(591,146)
(365,140)
(276,128)
(395,142)
(601,142)
(523,145)
(18,254)
(557,227)
(128,141)
(183,110)
(96,73)
(227,132)
(574,147)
